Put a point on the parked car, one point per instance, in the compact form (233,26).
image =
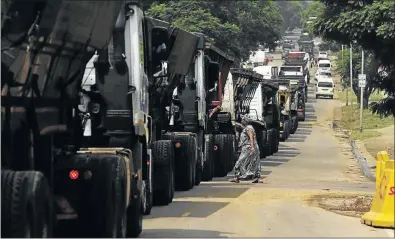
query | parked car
(322,55)
(325,87)
(322,74)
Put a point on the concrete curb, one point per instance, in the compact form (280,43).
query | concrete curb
(365,168)
(363,163)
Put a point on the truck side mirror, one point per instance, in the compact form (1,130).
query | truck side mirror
(159,44)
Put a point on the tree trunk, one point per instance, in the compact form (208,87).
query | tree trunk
(366,94)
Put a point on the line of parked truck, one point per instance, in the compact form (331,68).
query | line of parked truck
(103,120)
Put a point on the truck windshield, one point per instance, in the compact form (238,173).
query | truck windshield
(328,74)
(324,65)
(325,84)
(290,69)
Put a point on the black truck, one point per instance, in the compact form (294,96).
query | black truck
(299,84)
(189,114)
(266,126)
(51,173)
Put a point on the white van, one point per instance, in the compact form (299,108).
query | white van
(322,55)
(325,87)
(325,65)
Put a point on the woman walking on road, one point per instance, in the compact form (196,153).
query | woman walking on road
(248,165)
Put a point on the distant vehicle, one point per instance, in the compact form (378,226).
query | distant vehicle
(267,71)
(325,87)
(298,55)
(322,58)
(322,74)
(322,55)
(324,65)
(291,70)
(284,54)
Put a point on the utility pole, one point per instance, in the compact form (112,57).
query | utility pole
(350,72)
(362,90)
(342,77)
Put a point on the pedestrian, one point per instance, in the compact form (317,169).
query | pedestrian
(248,165)
(267,60)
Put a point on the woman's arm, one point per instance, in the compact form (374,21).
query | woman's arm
(251,135)
(216,109)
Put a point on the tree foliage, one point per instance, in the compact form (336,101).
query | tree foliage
(291,11)
(315,9)
(237,27)
(342,63)
(371,25)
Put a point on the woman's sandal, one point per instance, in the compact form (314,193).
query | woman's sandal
(258,180)
(234,180)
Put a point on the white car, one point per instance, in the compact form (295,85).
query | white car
(324,65)
(324,87)
(322,55)
(322,74)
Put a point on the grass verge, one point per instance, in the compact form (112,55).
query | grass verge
(350,121)
(342,95)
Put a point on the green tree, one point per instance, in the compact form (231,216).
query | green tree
(315,9)
(237,27)
(371,24)
(342,63)
(291,11)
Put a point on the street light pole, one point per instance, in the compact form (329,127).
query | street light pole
(361,100)
(350,71)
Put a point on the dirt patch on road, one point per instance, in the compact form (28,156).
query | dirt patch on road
(347,205)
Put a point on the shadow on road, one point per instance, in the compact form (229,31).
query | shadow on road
(177,233)
(188,209)
(211,192)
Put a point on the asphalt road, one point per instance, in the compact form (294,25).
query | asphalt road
(311,162)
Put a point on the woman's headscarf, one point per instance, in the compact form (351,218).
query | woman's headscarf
(245,119)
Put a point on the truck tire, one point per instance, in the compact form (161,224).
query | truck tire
(162,156)
(208,165)
(26,205)
(232,150)
(270,141)
(105,213)
(134,213)
(275,141)
(222,155)
(185,161)
(192,155)
(294,121)
(262,146)
(286,129)
(199,169)
(138,150)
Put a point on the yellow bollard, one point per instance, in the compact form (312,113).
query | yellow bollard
(381,157)
(381,212)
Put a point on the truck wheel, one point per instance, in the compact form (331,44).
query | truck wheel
(270,141)
(162,154)
(26,205)
(262,149)
(185,160)
(221,157)
(286,129)
(104,212)
(275,141)
(294,121)
(147,202)
(134,218)
(208,160)
(232,151)
(138,150)
(199,168)
(192,155)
